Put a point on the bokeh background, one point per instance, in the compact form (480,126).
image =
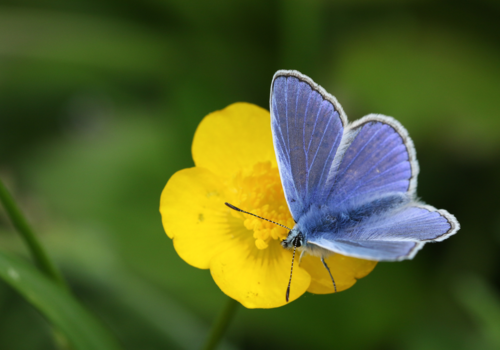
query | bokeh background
(99,101)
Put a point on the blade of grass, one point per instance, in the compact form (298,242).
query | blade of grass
(21,224)
(64,312)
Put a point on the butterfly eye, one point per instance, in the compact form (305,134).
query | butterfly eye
(297,241)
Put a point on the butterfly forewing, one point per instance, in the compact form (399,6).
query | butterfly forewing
(388,237)
(307,129)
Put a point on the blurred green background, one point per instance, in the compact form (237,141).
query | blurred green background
(99,101)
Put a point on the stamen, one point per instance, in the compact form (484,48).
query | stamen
(259,191)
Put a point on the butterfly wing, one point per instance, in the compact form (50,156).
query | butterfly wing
(391,236)
(327,163)
(373,250)
(307,126)
(378,159)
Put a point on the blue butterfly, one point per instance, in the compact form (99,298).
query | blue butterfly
(350,187)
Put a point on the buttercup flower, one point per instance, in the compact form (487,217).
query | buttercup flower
(235,163)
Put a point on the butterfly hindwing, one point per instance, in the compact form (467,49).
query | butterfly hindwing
(394,235)
(307,126)
(371,250)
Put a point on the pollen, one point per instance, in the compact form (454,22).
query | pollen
(261,193)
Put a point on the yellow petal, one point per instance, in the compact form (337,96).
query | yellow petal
(195,217)
(234,139)
(345,270)
(258,278)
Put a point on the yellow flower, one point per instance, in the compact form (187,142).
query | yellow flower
(235,163)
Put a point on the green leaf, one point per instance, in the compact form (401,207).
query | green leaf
(82,329)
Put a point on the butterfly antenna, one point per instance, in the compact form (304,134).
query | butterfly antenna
(295,243)
(260,217)
(291,270)
(328,269)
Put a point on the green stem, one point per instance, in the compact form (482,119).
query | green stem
(220,324)
(21,224)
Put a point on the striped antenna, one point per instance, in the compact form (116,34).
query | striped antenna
(260,217)
(295,241)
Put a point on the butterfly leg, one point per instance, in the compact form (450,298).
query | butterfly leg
(328,269)
(301,255)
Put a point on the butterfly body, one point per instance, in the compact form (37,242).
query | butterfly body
(339,224)
(351,187)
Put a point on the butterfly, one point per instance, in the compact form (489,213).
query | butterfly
(350,187)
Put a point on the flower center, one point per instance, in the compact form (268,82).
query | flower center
(260,192)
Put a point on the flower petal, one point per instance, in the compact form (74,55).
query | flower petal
(345,270)
(195,217)
(234,139)
(258,278)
